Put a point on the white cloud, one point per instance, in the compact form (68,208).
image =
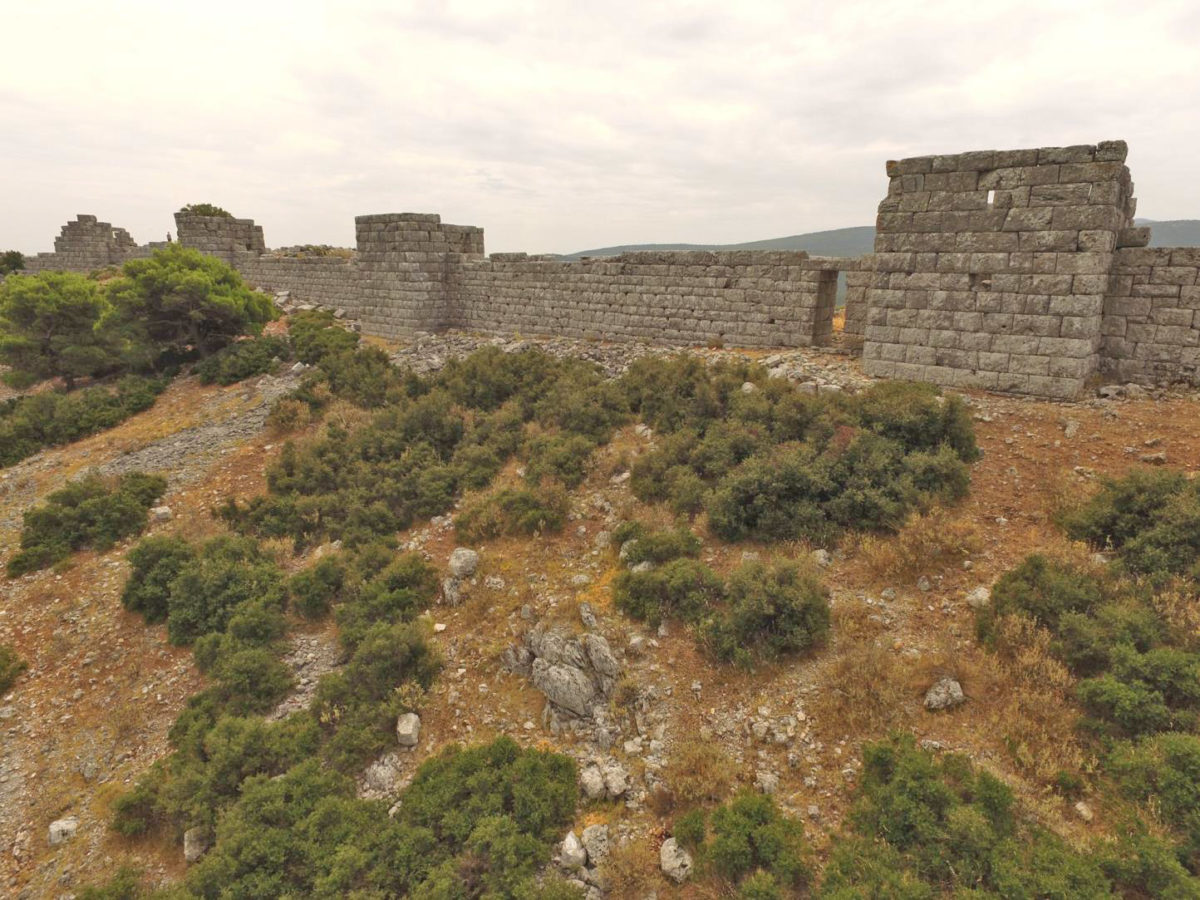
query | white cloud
(563,126)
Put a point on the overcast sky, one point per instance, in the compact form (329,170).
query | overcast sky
(563,126)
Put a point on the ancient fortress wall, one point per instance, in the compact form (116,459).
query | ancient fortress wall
(1014,270)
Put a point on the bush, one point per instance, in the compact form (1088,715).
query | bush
(754,843)
(657,547)
(11,667)
(216,583)
(926,826)
(181,301)
(315,589)
(513,511)
(769,612)
(11,261)
(52,324)
(474,822)
(316,334)
(771,464)
(1044,589)
(682,588)
(205,209)
(243,359)
(50,418)
(92,512)
(1164,771)
(155,563)
(1150,518)
(561,458)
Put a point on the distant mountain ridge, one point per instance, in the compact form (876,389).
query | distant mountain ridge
(861,239)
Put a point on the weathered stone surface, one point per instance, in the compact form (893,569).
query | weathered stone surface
(571,853)
(945,693)
(408,729)
(63,830)
(565,686)
(675,862)
(195,844)
(463,562)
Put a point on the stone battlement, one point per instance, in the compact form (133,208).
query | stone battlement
(1010,270)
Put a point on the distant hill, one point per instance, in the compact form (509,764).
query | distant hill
(1176,233)
(858,240)
(838,242)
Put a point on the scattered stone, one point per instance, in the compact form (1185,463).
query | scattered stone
(408,729)
(675,862)
(63,830)
(766,781)
(1084,811)
(572,854)
(822,558)
(946,693)
(195,844)
(494,583)
(979,598)
(463,562)
(1154,459)
(595,842)
(160,514)
(587,615)
(924,585)
(451,591)
(591,779)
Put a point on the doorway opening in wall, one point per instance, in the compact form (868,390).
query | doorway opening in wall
(826,306)
(839,310)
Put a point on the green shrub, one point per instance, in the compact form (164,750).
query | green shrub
(926,826)
(1143,693)
(316,334)
(769,612)
(1164,771)
(181,301)
(513,511)
(11,261)
(691,828)
(658,547)
(155,563)
(126,884)
(243,359)
(11,667)
(212,586)
(205,209)
(317,588)
(682,588)
(54,324)
(91,512)
(51,418)
(1124,507)
(1045,589)
(750,839)
(474,822)
(562,458)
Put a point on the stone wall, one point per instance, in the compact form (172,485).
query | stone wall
(1152,316)
(991,268)
(86,244)
(741,298)
(221,236)
(1014,270)
(408,270)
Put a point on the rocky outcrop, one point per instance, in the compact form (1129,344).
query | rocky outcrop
(675,862)
(575,673)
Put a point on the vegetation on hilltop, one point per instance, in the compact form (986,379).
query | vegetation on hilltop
(11,261)
(205,209)
(135,328)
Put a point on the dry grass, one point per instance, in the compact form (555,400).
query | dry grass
(631,871)
(927,544)
(699,772)
(1029,695)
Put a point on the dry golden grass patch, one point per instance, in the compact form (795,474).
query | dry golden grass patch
(928,543)
(1028,695)
(699,772)
(632,871)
